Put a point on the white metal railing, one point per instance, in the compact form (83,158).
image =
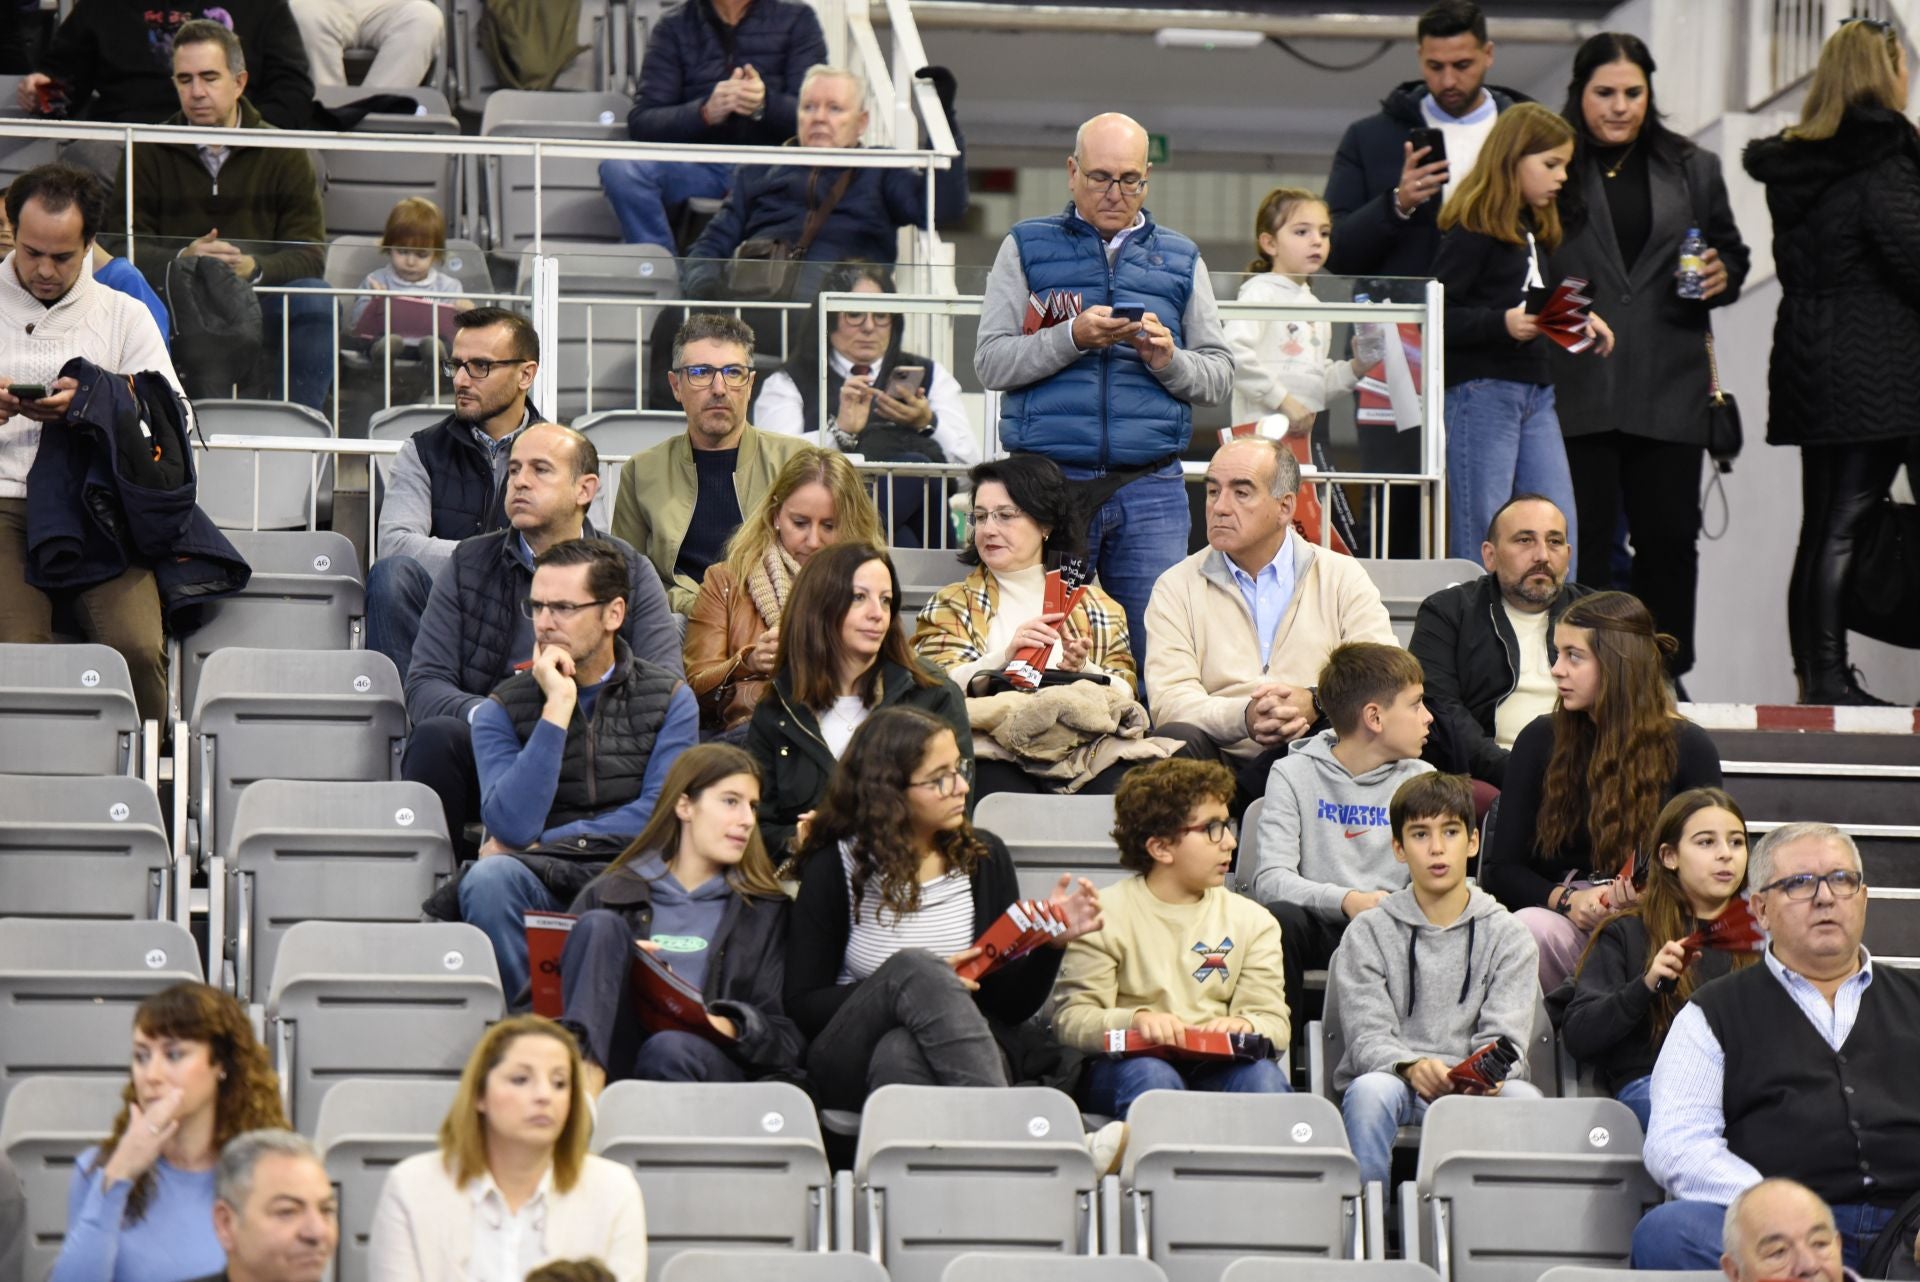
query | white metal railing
(1784,38)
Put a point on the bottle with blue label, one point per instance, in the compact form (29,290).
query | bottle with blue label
(1693,265)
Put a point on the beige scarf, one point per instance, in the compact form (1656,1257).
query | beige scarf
(770,582)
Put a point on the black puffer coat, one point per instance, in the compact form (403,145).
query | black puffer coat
(1846,244)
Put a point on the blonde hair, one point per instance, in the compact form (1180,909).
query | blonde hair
(1272,215)
(1859,67)
(1489,200)
(855,517)
(463,1134)
(416,223)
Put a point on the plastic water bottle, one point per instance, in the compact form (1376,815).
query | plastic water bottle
(1693,265)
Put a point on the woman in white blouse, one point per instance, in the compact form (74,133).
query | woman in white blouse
(511,1185)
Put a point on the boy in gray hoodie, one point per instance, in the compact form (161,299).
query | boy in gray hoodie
(1326,853)
(1438,972)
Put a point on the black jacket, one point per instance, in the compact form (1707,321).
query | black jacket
(1468,651)
(1485,279)
(1846,244)
(690,50)
(1609,1021)
(1369,236)
(746,977)
(795,762)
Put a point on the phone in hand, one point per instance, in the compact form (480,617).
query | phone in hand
(1131,312)
(905,380)
(28,391)
(1433,140)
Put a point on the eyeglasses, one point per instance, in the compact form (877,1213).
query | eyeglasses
(879,320)
(1129,184)
(1881,25)
(1845,883)
(702,375)
(562,610)
(998,516)
(1215,830)
(947,783)
(476,369)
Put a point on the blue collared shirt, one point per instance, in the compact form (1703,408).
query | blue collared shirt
(1268,594)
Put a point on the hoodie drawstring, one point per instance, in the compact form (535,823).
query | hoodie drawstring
(1413,969)
(1466,980)
(1413,966)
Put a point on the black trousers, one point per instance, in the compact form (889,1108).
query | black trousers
(1658,482)
(1838,485)
(1307,941)
(1249,773)
(440,755)
(990,776)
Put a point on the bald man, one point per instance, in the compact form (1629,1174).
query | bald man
(1101,328)
(1780,1228)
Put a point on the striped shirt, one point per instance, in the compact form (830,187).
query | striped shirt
(943,925)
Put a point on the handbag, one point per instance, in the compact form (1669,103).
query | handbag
(1883,587)
(765,269)
(1724,436)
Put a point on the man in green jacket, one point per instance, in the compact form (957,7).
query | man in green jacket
(254,209)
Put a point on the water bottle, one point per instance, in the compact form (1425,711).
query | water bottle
(1693,265)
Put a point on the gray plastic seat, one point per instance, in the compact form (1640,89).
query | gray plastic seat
(1211,1176)
(766,1266)
(366,1128)
(595,353)
(68,710)
(940,1170)
(48,1123)
(720,1164)
(479,81)
(293,487)
(1051,834)
(629,432)
(68,989)
(572,205)
(88,847)
(314,850)
(1404,584)
(1001,1266)
(1574,1273)
(923,572)
(1246,855)
(1256,1269)
(373,999)
(362,187)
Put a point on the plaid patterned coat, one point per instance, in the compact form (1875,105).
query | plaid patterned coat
(953,626)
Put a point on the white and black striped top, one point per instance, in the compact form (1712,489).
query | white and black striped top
(943,925)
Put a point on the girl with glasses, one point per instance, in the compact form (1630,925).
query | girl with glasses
(895,885)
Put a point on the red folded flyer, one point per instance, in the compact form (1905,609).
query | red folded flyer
(662,1001)
(1733,931)
(1065,587)
(1194,1044)
(1481,1072)
(1565,318)
(1027,924)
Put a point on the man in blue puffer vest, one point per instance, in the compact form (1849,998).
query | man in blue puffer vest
(1104,390)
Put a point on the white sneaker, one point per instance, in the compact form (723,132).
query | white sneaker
(1108,1146)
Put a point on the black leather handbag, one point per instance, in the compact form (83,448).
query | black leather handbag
(1724,436)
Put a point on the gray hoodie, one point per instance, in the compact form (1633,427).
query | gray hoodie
(1324,832)
(1411,990)
(685,921)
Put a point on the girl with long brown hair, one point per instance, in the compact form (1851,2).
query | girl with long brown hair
(1586,782)
(1637,973)
(895,885)
(140,1205)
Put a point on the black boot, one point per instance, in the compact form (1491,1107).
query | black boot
(1839,689)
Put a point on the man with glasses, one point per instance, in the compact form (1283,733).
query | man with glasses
(571,753)
(1100,326)
(1801,1067)
(680,501)
(448,482)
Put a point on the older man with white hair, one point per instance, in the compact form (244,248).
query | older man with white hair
(1826,1045)
(1780,1228)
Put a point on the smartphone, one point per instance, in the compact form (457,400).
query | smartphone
(28,391)
(905,380)
(1433,140)
(1131,312)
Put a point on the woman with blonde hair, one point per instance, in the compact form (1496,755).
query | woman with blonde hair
(733,631)
(511,1185)
(140,1204)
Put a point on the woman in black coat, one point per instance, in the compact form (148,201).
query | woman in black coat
(1843,187)
(1636,425)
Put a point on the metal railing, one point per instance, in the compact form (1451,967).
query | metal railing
(1784,38)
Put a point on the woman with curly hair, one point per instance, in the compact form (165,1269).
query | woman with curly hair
(895,885)
(140,1205)
(1637,973)
(1586,782)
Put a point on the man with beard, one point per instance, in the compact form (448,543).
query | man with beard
(1487,646)
(448,482)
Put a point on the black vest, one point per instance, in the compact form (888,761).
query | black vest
(490,582)
(605,761)
(465,499)
(1845,1123)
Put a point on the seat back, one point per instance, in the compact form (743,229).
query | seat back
(479,80)
(311,850)
(1246,855)
(68,710)
(720,1164)
(1256,1269)
(1003,1266)
(350,259)
(68,990)
(596,352)
(373,999)
(760,1266)
(1404,584)
(941,1168)
(86,847)
(570,202)
(1575,1273)
(923,572)
(48,1123)
(362,187)
(1210,1176)
(1049,834)
(400,422)
(291,486)
(365,1129)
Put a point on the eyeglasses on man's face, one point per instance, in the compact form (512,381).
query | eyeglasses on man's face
(1844,883)
(1103,182)
(562,610)
(477,369)
(947,782)
(735,376)
(1216,829)
(863,320)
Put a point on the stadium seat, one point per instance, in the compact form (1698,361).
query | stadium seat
(308,850)
(49,1122)
(68,989)
(923,572)
(285,497)
(595,357)
(377,1000)
(362,187)
(571,205)
(85,847)
(765,1266)
(68,710)
(399,423)
(1000,1266)
(1050,834)
(17,155)
(1507,1188)
(720,1165)
(1211,1176)
(1246,855)
(1574,1273)
(365,1129)
(1255,1269)
(1404,585)
(941,1169)
(351,259)
(479,81)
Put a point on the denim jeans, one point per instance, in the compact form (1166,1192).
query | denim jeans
(1377,1105)
(1113,1085)
(1503,439)
(641,192)
(309,343)
(596,970)
(910,1021)
(397,591)
(496,895)
(1135,537)
(1638,1096)
(1686,1235)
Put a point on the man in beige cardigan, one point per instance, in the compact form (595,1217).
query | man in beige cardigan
(681,501)
(1237,634)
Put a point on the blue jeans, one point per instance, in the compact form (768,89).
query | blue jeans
(641,192)
(1377,1105)
(1135,537)
(1638,1096)
(397,591)
(496,895)
(309,342)
(1503,439)
(1113,1085)
(1686,1235)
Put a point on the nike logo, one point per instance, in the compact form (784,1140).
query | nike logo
(1352,833)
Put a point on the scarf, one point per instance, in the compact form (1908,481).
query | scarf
(770,582)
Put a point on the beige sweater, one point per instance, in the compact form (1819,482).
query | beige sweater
(1203,657)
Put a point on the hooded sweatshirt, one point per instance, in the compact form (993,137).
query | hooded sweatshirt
(1412,990)
(1274,359)
(1324,832)
(685,921)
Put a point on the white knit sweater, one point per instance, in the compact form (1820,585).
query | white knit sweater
(107,327)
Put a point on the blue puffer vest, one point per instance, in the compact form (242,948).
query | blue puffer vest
(1106,409)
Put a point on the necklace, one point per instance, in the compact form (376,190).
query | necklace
(1614,172)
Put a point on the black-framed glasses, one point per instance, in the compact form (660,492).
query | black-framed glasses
(879,320)
(477,369)
(1845,883)
(1881,25)
(946,783)
(702,375)
(1216,829)
(559,609)
(1129,184)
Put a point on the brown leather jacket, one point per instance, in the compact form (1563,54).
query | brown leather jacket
(721,628)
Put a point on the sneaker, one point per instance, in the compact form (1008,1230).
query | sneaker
(1108,1146)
